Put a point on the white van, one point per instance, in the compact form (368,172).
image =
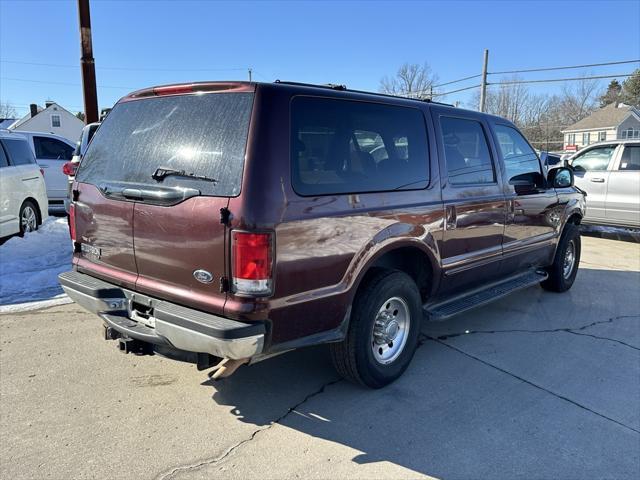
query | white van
(23,194)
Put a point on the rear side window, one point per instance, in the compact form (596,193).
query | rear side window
(3,158)
(19,152)
(201,134)
(519,158)
(342,146)
(595,159)
(52,149)
(466,151)
(630,158)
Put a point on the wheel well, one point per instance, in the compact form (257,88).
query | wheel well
(37,205)
(412,261)
(575,218)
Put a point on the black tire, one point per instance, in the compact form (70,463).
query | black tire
(354,358)
(561,280)
(29,210)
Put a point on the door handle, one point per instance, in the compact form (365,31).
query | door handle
(598,180)
(451,217)
(43,166)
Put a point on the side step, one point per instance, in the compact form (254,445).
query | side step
(482,296)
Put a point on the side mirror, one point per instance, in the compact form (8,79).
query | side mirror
(561,177)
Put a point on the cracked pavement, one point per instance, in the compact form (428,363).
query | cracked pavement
(536,385)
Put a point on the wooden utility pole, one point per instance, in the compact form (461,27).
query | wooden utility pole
(483,85)
(87,63)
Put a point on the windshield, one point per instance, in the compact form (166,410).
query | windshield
(204,135)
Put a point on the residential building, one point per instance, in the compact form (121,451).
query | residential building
(51,119)
(615,121)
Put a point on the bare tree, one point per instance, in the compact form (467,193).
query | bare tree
(7,110)
(411,80)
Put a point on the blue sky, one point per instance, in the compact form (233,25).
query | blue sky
(143,43)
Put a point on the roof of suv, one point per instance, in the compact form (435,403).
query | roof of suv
(337,90)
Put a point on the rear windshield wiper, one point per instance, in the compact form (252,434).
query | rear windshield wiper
(163,172)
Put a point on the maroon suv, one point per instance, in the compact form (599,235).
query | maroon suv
(239,220)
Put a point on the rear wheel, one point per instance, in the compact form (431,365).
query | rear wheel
(383,330)
(563,270)
(29,220)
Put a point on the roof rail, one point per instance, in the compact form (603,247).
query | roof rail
(342,87)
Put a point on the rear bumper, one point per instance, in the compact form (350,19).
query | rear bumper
(170,324)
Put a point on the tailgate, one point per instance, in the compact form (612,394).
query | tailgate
(152,184)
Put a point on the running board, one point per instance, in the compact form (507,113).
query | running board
(482,296)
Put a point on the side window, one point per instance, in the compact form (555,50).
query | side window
(3,158)
(19,152)
(520,161)
(595,159)
(466,151)
(341,146)
(630,158)
(52,149)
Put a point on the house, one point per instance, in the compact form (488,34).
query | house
(612,122)
(51,119)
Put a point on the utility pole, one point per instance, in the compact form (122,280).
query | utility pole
(483,85)
(250,72)
(89,90)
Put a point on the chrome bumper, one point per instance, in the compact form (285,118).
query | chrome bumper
(168,323)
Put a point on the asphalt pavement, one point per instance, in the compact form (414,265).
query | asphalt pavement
(537,385)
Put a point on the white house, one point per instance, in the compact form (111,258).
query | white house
(608,123)
(51,119)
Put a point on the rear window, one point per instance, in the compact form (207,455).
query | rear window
(341,146)
(204,135)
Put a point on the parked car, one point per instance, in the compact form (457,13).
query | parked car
(242,220)
(610,174)
(69,168)
(550,160)
(51,152)
(23,195)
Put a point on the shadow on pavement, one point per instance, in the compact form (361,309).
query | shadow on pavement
(520,404)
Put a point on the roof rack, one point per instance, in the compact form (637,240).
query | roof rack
(342,87)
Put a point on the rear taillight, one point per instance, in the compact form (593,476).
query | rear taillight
(251,263)
(72,221)
(42,172)
(69,168)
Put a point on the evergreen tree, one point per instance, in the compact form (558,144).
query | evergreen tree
(612,95)
(631,90)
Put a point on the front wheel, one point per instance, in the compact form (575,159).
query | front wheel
(562,272)
(383,330)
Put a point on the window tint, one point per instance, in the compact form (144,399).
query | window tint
(52,149)
(630,158)
(341,146)
(519,158)
(201,134)
(3,158)
(19,152)
(593,159)
(466,151)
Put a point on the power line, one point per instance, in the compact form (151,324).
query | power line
(593,77)
(149,69)
(539,70)
(62,83)
(564,68)
(457,81)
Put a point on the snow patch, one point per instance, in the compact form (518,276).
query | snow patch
(29,266)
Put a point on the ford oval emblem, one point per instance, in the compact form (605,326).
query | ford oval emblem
(203,276)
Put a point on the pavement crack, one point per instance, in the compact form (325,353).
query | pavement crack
(574,331)
(528,382)
(236,446)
